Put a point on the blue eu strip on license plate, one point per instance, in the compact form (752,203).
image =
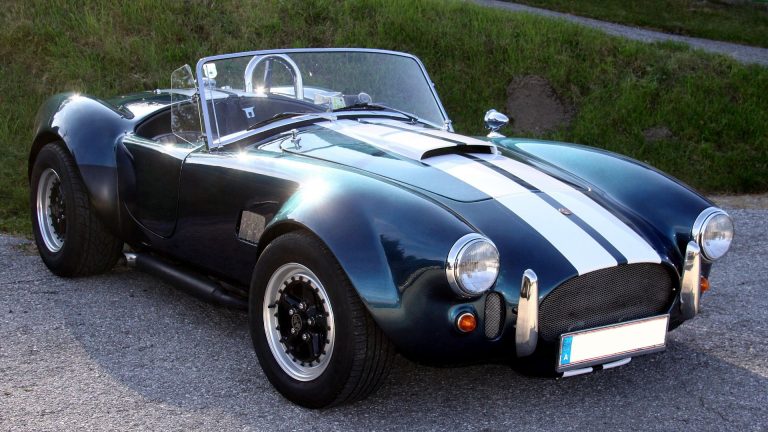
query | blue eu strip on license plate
(565,352)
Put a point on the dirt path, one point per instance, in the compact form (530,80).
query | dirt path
(742,53)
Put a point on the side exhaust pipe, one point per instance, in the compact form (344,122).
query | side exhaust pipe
(194,284)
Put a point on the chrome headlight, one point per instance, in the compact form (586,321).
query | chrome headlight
(713,231)
(473,265)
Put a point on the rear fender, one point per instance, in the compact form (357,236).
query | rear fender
(91,130)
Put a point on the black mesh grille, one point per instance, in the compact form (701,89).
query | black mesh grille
(494,315)
(605,297)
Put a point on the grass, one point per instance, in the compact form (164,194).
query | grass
(715,108)
(742,22)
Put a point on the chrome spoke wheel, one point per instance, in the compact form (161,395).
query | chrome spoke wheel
(51,214)
(298,322)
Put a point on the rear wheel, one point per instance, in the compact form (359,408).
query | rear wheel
(70,238)
(314,338)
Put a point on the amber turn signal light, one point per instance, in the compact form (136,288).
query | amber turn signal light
(466,322)
(704,284)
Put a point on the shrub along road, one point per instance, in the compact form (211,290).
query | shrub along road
(123,351)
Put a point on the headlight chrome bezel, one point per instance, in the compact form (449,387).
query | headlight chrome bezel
(700,227)
(454,258)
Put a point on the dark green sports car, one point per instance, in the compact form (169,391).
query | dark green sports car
(325,192)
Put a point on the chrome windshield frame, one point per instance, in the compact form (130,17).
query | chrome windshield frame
(207,116)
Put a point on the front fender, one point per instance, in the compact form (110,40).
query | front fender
(652,200)
(391,242)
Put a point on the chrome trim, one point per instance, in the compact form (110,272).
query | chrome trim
(458,318)
(203,99)
(295,139)
(292,367)
(575,372)
(451,264)
(700,224)
(690,282)
(616,363)
(130,259)
(298,82)
(45,186)
(527,325)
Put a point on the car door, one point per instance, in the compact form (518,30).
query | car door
(151,159)
(149,172)
(226,200)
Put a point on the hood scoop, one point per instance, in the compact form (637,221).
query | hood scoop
(380,156)
(459,149)
(410,141)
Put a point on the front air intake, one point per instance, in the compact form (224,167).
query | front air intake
(494,315)
(607,296)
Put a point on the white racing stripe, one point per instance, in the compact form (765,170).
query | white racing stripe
(393,138)
(578,247)
(634,248)
(583,251)
(436,133)
(407,144)
(622,237)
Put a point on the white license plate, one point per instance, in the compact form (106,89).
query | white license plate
(610,343)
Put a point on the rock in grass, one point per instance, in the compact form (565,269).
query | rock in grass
(656,134)
(535,107)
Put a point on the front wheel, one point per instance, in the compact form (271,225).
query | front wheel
(314,338)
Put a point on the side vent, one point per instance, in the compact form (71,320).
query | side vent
(251,226)
(494,315)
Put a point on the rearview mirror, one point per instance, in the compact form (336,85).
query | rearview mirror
(494,121)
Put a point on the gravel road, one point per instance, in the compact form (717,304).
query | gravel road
(742,53)
(124,352)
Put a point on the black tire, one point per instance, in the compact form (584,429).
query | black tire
(87,247)
(361,356)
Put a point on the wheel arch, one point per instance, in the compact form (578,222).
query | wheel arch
(276,230)
(42,139)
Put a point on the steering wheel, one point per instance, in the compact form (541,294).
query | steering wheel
(298,84)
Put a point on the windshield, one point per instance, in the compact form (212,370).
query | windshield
(244,92)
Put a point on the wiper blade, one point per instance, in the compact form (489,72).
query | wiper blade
(379,107)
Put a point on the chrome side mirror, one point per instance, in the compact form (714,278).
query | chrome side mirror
(494,121)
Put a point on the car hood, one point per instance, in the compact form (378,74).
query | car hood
(395,150)
(498,193)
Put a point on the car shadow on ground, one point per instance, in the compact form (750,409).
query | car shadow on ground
(171,348)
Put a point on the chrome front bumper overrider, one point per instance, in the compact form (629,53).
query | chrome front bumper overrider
(690,282)
(527,324)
